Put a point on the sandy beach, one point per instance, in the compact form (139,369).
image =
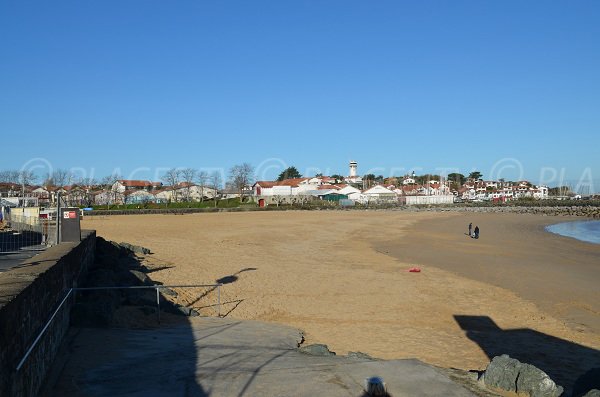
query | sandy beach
(341,276)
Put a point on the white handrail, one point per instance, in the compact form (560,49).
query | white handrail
(35,342)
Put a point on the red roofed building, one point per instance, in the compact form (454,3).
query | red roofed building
(123,185)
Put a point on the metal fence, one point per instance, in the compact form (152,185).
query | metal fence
(20,233)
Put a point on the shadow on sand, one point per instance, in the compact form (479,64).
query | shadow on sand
(232,278)
(229,279)
(573,366)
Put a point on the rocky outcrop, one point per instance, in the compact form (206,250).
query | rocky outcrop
(136,249)
(508,374)
(359,355)
(576,210)
(118,265)
(316,350)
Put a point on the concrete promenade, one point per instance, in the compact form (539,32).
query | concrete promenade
(225,357)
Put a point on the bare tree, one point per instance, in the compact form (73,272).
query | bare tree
(202,177)
(26,178)
(240,176)
(58,178)
(87,185)
(171,179)
(109,185)
(189,176)
(217,181)
(9,176)
(278,199)
(48,181)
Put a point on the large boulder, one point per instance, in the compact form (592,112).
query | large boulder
(511,375)
(502,373)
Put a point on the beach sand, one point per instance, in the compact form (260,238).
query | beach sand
(341,276)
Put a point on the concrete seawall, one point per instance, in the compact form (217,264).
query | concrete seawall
(29,294)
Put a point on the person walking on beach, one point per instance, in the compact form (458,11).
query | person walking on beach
(470,229)
(476,233)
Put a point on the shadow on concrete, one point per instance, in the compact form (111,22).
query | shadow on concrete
(16,248)
(133,313)
(14,241)
(571,365)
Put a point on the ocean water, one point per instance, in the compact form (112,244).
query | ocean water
(581,230)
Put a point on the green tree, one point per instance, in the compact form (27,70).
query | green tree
(559,191)
(338,178)
(475,175)
(457,178)
(290,172)
(369,177)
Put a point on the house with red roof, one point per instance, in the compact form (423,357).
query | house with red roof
(123,185)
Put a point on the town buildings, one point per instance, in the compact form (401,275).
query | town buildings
(406,190)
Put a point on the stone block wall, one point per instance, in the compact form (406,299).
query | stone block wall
(29,294)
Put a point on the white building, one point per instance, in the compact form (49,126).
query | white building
(350,191)
(379,195)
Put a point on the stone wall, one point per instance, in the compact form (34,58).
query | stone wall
(29,294)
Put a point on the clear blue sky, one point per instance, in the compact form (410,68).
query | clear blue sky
(148,85)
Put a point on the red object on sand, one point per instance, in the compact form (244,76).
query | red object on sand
(414,270)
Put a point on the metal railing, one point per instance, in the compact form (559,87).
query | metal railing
(72,291)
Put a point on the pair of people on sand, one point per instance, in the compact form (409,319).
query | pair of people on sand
(473,233)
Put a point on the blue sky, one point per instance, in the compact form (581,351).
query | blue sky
(508,88)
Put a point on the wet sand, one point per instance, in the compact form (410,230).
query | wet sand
(341,276)
(561,275)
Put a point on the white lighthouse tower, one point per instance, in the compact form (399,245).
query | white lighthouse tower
(353,166)
(353,178)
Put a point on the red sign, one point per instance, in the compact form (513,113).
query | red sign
(70,215)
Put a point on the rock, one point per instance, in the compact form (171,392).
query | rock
(502,373)
(140,297)
(536,383)
(187,311)
(592,393)
(135,248)
(168,292)
(359,355)
(141,278)
(317,350)
(511,375)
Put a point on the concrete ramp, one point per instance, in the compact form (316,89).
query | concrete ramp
(225,357)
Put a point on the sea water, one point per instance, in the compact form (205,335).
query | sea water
(581,230)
